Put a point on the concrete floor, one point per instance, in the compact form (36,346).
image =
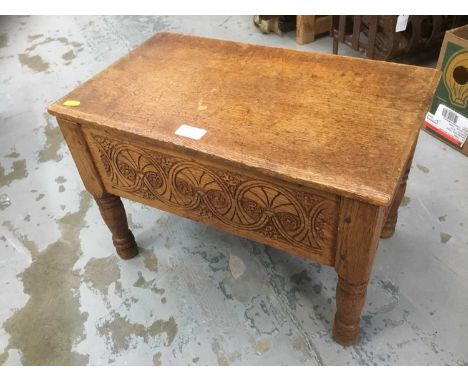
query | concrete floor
(65,298)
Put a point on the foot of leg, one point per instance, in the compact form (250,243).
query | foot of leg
(390,225)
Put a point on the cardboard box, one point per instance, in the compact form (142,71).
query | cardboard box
(448,115)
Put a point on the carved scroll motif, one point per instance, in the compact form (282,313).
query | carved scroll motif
(299,219)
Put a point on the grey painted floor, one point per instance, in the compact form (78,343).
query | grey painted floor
(65,298)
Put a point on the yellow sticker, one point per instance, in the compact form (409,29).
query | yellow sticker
(71,102)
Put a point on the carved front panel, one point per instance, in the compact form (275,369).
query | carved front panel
(298,221)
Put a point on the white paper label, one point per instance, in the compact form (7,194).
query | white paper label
(190,132)
(401,23)
(449,124)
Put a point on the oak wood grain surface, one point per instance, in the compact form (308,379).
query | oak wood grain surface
(334,123)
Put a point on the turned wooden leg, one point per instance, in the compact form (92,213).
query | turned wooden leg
(111,207)
(350,300)
(358,234)
(392,215)
(113,213)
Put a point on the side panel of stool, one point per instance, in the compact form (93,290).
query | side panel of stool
(285,216)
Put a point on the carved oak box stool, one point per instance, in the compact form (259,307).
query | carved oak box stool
(302,151)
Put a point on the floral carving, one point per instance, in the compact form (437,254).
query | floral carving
(300,219)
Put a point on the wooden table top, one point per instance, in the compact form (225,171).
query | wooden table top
(339,124)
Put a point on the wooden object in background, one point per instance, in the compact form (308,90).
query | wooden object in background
(308,27)
(276,24)
(376,36)
(315,175)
